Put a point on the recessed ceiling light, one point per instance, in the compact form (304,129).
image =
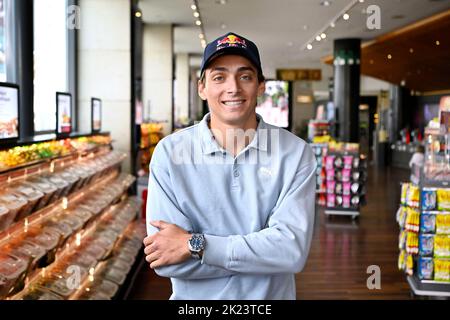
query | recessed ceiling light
(194,7)
(361,1)
(138,14)
(332,25)
(309,46)
(346,16)
(196,14)
(325,3)
(318,38)
(389,56)
(198,22)
(411,50)
(201,36)
(437,42)
(323,35)
(403,83)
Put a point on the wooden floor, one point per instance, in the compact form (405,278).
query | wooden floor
(341,251)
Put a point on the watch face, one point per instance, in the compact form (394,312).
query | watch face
(196,242)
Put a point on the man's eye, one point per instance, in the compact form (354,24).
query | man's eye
(246,77)
(218,78)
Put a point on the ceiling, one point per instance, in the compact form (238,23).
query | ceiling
(282,28)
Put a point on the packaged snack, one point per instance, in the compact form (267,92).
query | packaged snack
(37,293)
(348,161)
(4,213)
(404,192)
(338,174)
(443,224)
(356,162)
(413,196)
(346,201)
(338,200)
(12,274)
(355,201)
(338,189)
(443,199)
(47,189)
(338,162)
(412,243)
(62,185)
(442,246)
(402,260)
(426,267)
(426,244)
(115,275)
(401,216)
(331,186)
(356,175)
(32,195)
(441,270)
(329,162)
(409,265)
(330,174)
(428,200)
(346,190)
(428,223)
(28,251)
(47,239)
(15,204)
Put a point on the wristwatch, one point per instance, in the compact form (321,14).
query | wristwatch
(196,245)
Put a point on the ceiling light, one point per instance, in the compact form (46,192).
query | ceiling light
(325,3)
(309,46)
(361,1)
(323,35)
(194,7)
(318,38)
(198,22)
(437,42)
(403,83)
(196,14)
(389,56)
(222,2)
(332,25)
(346,16)
(411,50)
(138,14)
(201,36)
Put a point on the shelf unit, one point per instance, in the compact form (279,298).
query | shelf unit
(77,240)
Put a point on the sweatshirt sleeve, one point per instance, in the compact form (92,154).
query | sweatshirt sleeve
(162,205)
(284,245)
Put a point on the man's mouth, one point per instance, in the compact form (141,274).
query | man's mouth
(233,103)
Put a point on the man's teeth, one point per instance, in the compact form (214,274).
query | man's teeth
(233,103)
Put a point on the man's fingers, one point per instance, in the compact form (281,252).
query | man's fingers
(148,240)
(149,249)
(152,257)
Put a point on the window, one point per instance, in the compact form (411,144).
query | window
(50,60)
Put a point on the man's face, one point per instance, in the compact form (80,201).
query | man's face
(231,88)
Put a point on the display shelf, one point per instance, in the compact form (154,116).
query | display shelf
(428,288)
(342,212)
(73,223)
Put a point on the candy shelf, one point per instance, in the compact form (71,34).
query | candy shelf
(424,221)
(61,219)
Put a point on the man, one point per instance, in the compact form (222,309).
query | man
(230,207)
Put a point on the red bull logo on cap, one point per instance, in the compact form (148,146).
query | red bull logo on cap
(231,41)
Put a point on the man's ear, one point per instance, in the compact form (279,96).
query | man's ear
(261,88)
(201,90)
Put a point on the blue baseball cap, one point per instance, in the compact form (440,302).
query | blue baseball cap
(231,43)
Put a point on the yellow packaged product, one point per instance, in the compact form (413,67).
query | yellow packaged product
(443,199)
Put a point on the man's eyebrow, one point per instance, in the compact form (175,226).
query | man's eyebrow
(241,69)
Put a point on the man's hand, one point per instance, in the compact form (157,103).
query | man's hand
(168,246)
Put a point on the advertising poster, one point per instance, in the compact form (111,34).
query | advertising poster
(64,113)
(9,112)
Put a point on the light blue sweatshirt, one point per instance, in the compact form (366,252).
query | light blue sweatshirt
(256,211)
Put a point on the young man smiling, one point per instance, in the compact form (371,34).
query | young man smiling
(231,200)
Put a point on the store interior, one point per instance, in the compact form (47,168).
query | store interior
(86,97)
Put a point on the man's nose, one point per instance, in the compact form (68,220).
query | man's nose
(233,85)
